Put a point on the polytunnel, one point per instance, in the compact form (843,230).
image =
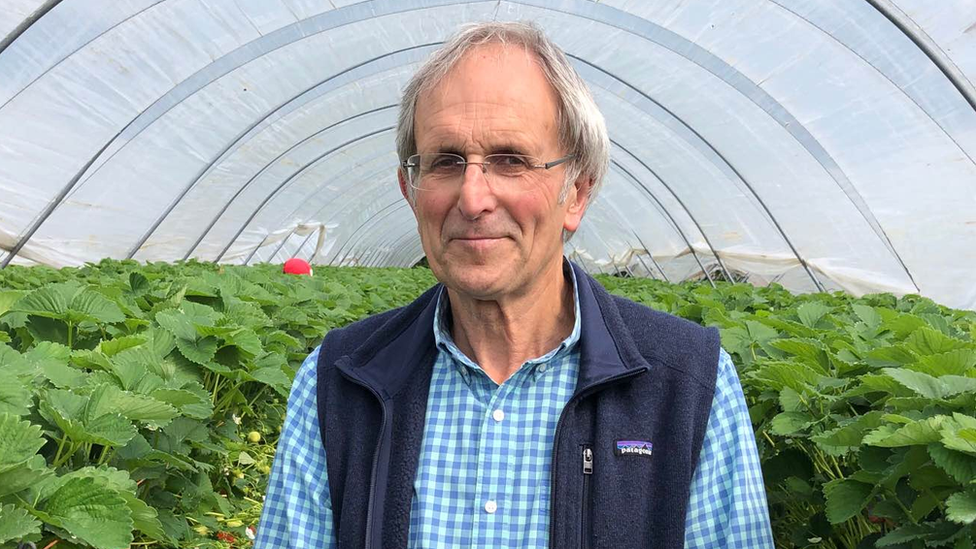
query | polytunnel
(820,144)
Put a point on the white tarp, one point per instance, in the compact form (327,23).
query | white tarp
(810,142)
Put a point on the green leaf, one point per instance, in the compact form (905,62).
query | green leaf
(15,524)
(93,306)
(274,377)
(245,340)
(161,341)
(138,283)
(955,363)
(199,351)
(112,347)
(903,324)
(15,397)
(789,423)
(895,355)
(790,400)
(961,507)
(8,298)
(92,512)
(845,499)
(189,403)
(922,384)
(933,534)
(811,313)
(926,341)
(62,375)
(810,350)
(19,441)
(49,301)
(106,399)
(23,476)
(958,384)
(918,432)
(144,517)
(963,440)
(958,465)
(116,479)
(777,375)
(848,436)
(867,315)
(108,430)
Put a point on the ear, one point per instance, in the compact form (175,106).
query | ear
(404,189)
(577,200)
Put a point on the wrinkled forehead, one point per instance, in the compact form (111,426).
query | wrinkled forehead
(492,88)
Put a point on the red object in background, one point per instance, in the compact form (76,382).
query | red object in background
(297,266)
(226,536)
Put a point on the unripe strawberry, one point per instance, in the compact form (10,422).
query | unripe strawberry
(254,437)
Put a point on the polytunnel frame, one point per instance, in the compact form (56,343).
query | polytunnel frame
(930,50)
(673,223)
(267,167)
(223,153)
(634,180)
(297,97)
(307,219)
(290,178)
(233,146)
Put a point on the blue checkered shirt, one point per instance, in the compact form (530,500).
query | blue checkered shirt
(484,473)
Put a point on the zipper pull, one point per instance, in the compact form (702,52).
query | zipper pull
(587,461)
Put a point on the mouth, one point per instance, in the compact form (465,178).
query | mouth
(478,242)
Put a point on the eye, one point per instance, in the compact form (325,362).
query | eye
(442,162)
(510,161)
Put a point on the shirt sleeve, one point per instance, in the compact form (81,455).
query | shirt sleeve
(297,510)
(728,500)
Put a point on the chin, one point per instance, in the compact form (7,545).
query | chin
(479,281)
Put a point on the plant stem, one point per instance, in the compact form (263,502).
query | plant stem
(263,387)
(70,333)
(63,459)
(57,456)
(106,452)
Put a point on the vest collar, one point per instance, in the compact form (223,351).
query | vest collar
(405,343)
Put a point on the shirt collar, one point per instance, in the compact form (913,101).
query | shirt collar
(445,343)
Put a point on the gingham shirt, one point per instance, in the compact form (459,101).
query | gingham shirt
(484,473)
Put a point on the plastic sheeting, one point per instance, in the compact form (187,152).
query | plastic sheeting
(821,144)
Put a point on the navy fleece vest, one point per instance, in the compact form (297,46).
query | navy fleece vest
(644,376)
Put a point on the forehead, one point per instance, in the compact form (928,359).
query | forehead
(496,94)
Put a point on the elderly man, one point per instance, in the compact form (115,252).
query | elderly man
(516,403)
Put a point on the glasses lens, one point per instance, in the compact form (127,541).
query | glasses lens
(432,171)
(509,166)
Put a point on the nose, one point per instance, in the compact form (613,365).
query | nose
(476,197)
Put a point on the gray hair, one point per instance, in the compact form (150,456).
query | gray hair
(582,129)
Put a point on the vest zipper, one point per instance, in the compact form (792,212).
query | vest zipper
(585,507)
(559,425)
(376,459)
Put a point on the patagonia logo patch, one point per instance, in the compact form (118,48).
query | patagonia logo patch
(633,448)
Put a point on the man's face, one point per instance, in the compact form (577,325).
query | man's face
(481,240)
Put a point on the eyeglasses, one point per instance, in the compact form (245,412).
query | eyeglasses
(504,172)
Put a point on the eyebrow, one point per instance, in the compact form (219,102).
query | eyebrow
(503,148)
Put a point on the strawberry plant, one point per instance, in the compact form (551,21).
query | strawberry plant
(864,409)
(141,404)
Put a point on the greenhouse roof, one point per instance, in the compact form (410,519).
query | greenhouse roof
(821,144)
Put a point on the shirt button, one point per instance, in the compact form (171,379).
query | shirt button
(541,368)
(491,506)
(498,415)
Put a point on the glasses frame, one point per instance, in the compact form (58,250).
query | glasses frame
(412,161)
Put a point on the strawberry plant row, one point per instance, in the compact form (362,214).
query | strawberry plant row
(141,403)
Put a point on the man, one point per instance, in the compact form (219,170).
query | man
(516,404)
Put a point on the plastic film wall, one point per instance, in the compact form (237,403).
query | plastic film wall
(821,144)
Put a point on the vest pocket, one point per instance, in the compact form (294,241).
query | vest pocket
(587,455)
